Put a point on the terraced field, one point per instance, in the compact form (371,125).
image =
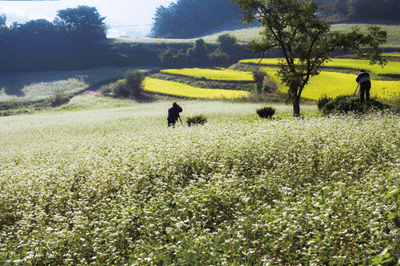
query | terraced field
(332,83)
(183,90)
(219,74)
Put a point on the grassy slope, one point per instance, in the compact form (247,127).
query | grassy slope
(33,86)
(248,34)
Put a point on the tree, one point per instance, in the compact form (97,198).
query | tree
(3,20)
(198,52)
(83,23)
(226,43)
(134,82)
(191,18)
(305,41)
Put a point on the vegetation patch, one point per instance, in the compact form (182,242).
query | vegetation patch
(348,103)
(392,68)
(209,84)
(183,90)
(265,112)
(212,74)
(333,84)
(196,120)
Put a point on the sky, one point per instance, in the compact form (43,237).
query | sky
(125,17)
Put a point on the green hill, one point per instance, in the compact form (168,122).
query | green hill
(247,34)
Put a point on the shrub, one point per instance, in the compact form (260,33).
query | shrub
(350,103)
(134,82)
(58,98)
(196,120)
(227,43)
(323,101)
(259,80)
(266,112)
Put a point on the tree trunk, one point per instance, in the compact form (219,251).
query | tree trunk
(296,106)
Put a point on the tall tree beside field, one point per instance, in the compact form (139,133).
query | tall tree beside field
(305,41)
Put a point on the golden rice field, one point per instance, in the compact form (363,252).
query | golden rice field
(333,84)
(391,68)
(179,89)
(211,74)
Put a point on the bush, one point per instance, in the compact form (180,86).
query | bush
(227,43)
(258,78)
(323,101)
(350,103)
(119,91)
(266,112)
(134,82)
(196,120)
(58,98)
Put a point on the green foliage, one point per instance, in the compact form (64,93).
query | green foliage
(198,53)
(82,23)
(191,18)
(196,120)
(59,98)
(258,77)
(227,43)
(134,82)
(118,90)
(3,20)
(323,101)
(266,112)
(349,103)
(305,38)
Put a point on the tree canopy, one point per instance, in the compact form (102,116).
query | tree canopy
(82,22)
(305,41)
(191,18)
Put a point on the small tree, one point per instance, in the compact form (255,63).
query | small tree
(259,79)
(226,43)
(305,41)
(83,23)
(134,82)
(198,52)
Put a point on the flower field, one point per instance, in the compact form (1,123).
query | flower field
(118,187)
(333,84)
(183,90)
(392,68)
(211,74)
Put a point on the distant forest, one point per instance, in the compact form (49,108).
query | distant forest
(193,18)
(361,10)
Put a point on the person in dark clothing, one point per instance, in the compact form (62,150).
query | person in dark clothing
(173,114)
(364,82)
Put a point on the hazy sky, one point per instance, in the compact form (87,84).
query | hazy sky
(118,12)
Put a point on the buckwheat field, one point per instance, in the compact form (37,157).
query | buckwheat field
(118,187)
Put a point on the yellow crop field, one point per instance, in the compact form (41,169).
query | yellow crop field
(211,74)
(390,68)
(179,89)
(333,84)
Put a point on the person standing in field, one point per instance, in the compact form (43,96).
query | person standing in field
(173,114)
(364,82)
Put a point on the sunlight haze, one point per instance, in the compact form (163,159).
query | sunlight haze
(132,18)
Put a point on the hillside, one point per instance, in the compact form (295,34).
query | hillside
(246,34)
